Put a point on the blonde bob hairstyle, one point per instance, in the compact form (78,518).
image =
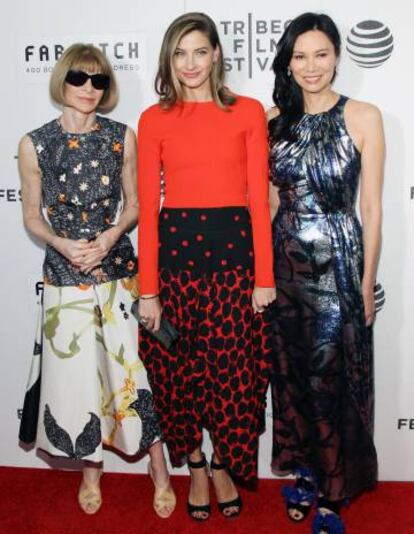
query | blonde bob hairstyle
(84,57)
(167,85)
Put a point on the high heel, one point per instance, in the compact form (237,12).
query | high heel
(194,509)
(164,497)
(227,505)
(90,496)
(300,497)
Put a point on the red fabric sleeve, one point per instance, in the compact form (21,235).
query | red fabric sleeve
(149,191)
(258,195)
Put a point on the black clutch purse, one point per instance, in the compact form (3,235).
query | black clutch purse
(166,334)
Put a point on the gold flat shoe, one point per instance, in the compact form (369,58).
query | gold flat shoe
(164,497)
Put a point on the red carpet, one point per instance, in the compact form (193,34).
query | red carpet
(34,501)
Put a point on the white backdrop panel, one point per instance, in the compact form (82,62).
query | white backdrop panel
(130,33)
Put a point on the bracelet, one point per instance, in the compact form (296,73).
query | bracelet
(149,298)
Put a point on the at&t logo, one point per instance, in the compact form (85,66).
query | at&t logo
(379,297)
(370,43)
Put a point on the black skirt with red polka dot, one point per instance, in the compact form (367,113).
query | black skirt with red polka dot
(216,375)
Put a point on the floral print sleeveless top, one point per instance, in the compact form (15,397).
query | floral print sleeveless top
(81,193)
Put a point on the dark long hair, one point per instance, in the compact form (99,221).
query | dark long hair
(287,95)
(167,85)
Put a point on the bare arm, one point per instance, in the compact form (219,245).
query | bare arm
(369,123)
(373,150)
(31,186)
(129,216)
(35,223)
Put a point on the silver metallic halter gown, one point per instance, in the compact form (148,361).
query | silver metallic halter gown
(322,385)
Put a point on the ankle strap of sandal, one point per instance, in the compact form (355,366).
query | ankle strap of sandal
(215,465)
(197,465)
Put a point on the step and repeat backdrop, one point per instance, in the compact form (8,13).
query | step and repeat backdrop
(33,36)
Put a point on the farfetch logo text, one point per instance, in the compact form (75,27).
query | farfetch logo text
(126,53)
(370,43)
(250,43)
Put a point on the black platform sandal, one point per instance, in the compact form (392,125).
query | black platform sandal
(197,508)
(300,497)
(327,520)
(223,506)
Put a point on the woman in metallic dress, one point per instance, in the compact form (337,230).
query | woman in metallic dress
(325,148)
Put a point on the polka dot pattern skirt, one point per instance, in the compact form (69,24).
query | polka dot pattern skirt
(216,375)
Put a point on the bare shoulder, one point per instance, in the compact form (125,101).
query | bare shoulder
(363,113)
(272,113)
(130,135)
(130,144)
(26,146)
(27,159)
(27,153)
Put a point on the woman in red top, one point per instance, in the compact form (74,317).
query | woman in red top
(205,261)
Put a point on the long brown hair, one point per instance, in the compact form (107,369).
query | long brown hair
(167,84)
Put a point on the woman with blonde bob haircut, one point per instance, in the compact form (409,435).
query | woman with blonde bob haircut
(83,57)
(87,387)
(205,262)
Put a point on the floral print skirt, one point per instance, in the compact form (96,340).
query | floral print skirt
(87,387)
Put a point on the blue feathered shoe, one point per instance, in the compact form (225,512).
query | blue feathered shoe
(328,522)
(300,497)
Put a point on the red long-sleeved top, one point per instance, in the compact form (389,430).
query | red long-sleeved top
(210,158)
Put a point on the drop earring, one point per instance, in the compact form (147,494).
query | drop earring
(289,72)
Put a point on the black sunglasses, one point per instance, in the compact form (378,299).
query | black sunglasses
(78,78)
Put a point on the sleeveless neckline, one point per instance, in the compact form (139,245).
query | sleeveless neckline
(328,111)
(96,127)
